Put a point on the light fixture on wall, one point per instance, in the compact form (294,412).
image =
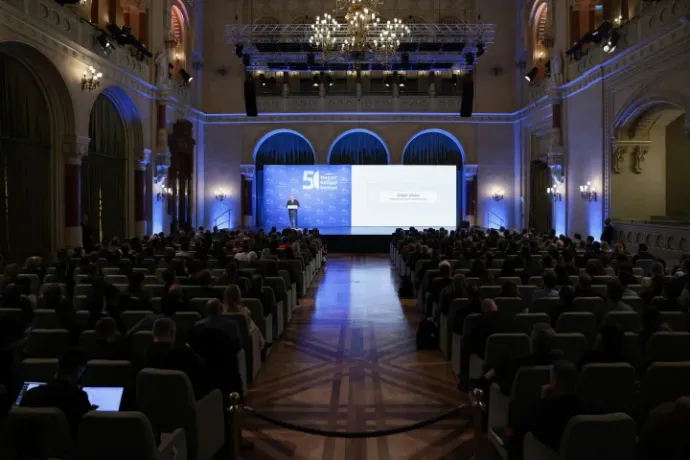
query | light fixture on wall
(219,194)
(186,78)
(554,193)
(531,76)
(91,79)
(497,194)
(611,42)
(163,193)
(588,193)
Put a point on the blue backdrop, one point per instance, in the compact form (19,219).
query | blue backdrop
(323,192)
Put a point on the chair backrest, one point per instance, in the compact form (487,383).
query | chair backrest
(582,322)
(645,265)
(48,343)
(629,321)
(141,341)
(133,317)
(199,304)
(637,303)
(632,347)
(573,345)
(509,306)
(166,397)
(599,437)
(185,320)
(546,305)
(116,436)
(589,304)
(669,346)
(278,286)
(536,281)
(676,320)
(525,391)
(10,314)
(110,271)
(88,339)
(33,279)
(665,382)
(526,321)
(607,387)
(150,280)
(116,279)
(47,285)
(501,348)
(45,319)
(37,433)
(490,291)
(104,373)
(83,289)
(38,369)
(509,279)
(469,323)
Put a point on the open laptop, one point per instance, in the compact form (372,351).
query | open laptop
(103,399)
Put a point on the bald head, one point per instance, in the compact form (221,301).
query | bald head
(488,305)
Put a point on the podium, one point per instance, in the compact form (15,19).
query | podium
(292,207)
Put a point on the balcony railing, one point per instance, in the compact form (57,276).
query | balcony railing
(666,237)
(655,19)
(349,104)
(65,21)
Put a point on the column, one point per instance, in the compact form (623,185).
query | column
(470,195)
(75,148)
(247,189)
(126,16)
(112,11)
(144,28)
(141,192)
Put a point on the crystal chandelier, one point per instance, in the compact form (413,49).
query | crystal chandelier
(360,20)
(389,39)
(324,34)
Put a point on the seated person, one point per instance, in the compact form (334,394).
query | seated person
(215,320)
(475,306)
(549,289)
(232,303)
(509,289)
(665,432)
(257,292)
(626,278)
(584,286)
(544,353)
(63,392)
(138,299)
(614,302)
(437,285)
(111,343)
(455,290)
(480,271)
(164,354)
(551,414)
(205,281)
(610,349)
(652,322)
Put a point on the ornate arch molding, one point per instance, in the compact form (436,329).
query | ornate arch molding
(268,135)
(454,139)
(359,130)
(64,140)
(129,115)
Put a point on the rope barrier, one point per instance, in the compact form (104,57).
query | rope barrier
(355,434)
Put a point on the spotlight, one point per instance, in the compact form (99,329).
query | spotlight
(480,49)
(102,40)
(239,50)
(469,59)
(388,81)
(612,42)
(401,81)
(246,59)
(454,79)
(262,79)
(330,81)
(186,78)
(531,76)
(316,81)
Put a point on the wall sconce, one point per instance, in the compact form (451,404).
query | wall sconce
(91,79)
(219,194)
(172,42)
(163,193)
(497,194)
(554,193)
(588,193)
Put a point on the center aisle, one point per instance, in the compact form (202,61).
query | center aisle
(348,362)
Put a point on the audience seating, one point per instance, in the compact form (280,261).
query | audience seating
(526,321)
(104,373)
(167,399)
(607,387)
(664,382)
(573,345)
(48,343)
(591,437)
(38,433)
(500,348)
(120,435)
(669,346)
(584,323)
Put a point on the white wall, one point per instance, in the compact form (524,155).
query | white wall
(223,145)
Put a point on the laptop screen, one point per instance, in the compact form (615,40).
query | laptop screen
(26,387)
(105,398)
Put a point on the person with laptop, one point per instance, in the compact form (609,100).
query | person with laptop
(63,392)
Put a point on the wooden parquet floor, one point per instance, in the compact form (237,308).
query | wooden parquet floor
(348,362)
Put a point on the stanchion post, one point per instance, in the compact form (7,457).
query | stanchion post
(235,430)
(478,408)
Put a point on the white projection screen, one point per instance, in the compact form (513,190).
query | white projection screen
(404,196)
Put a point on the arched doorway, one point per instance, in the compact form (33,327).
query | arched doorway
(35,117)
(358,147)
(279,147)
(438,147)
(105,170)
(649,162)
(181,143)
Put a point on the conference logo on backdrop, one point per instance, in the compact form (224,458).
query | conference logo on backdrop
(320,180)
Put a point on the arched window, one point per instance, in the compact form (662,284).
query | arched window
(177,41)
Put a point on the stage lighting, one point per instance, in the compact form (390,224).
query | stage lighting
(239,50)
(531,76)
(330,81)
(612,42)
(102,40)
(316,81)
(262,79)
(388,81)
(454,79)
(480,49)
(469,59)
(186,78)
(401,81)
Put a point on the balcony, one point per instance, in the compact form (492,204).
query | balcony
(654,20)
(351,104)
(65,22)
